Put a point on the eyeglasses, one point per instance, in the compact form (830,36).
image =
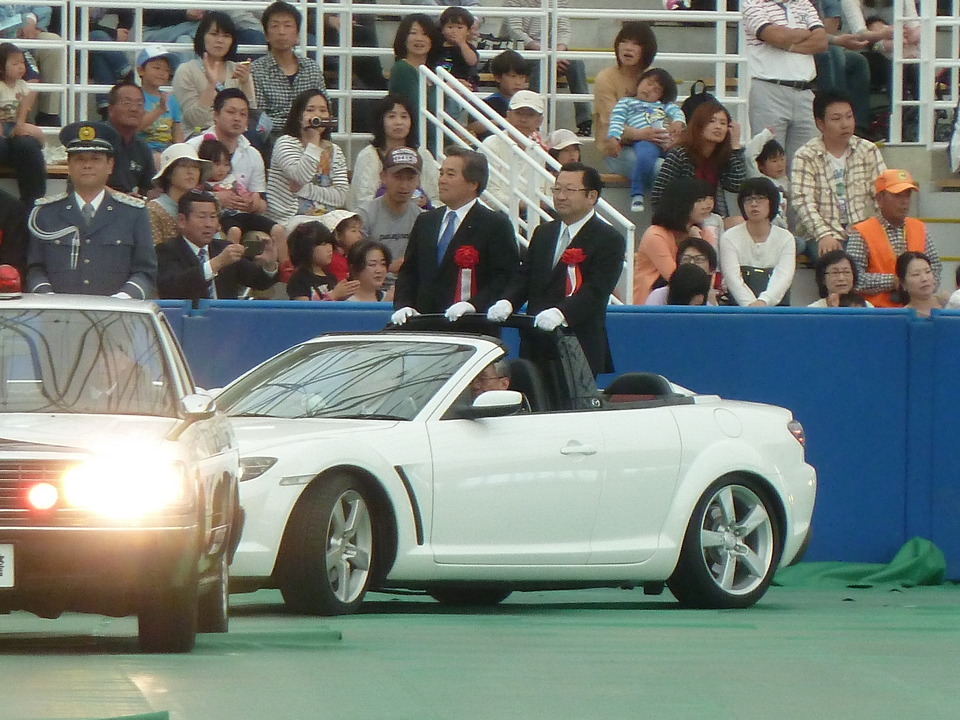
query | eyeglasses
(695,259)
(755,199)
(131,103)
(839,273)
(566,191)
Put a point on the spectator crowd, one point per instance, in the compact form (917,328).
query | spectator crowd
(215,175)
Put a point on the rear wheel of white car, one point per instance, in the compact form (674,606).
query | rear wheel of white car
(328,550)
(731,548)
(168,620)
(213,615)
(469,596)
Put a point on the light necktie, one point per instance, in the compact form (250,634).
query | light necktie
(562,244)
(88,211)
(202,257)
(450,226)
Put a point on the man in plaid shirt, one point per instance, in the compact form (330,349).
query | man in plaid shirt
(831,179)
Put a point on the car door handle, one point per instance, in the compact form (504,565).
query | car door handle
(578,449)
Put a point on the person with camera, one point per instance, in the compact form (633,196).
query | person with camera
(308,173)
(197,265)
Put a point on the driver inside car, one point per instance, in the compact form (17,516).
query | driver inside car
(495,376)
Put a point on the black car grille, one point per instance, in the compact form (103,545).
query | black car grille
(16,479)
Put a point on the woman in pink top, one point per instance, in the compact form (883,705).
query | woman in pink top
(689,202)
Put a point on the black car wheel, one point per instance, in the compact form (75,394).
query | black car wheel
(168,619)
(325,565)
(213,614)
(731,547)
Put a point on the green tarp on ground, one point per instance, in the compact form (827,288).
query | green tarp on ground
(918,562)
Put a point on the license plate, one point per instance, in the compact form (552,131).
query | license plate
(6,565)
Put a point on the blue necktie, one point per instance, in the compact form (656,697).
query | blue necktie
(202,257)
(446,235)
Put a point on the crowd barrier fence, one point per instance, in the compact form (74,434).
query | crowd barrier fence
(876,390)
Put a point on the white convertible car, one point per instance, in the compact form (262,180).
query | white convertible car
(371,461)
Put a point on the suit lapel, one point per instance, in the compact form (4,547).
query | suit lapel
(464,231)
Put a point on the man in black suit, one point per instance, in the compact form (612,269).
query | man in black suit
(572,266)
(459,258)
(195,265)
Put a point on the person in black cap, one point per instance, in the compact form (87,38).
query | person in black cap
(90,240)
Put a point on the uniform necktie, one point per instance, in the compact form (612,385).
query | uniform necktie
(88,211)
(448,229)
(562,244)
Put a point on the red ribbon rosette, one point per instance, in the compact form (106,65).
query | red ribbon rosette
(572,257)
(466,258)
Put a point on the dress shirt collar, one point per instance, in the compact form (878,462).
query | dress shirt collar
(95,202)
(460,212)
(577,226)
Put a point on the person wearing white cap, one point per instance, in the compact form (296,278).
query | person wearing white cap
(181,170)
(525,113)
(564,146)
(162,123)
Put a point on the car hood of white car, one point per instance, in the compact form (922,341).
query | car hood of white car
(62,432)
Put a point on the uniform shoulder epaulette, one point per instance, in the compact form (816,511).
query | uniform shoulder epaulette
(127,199)
(47,199)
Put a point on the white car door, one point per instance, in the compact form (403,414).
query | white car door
(516,490)
(643,451)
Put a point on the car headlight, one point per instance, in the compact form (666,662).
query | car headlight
(125,487)
(253,467)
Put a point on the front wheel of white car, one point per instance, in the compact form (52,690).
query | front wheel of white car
(731,547)
(325,566)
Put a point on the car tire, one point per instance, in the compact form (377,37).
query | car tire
(329,549)
(168,619)
(469,596)
(731,548)
(213,612)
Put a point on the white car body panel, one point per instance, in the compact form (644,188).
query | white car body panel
(587,496)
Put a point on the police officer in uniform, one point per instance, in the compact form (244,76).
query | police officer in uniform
(91,240)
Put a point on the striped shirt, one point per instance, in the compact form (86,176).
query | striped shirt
(773,63)
(291,161)
(274,89)
(813,193)
(872,283)
(530,28)
(636,113)
(678,164)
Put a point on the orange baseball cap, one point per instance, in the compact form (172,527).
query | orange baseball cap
(895,181)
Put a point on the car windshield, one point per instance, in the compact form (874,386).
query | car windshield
(79,361)
(350,379)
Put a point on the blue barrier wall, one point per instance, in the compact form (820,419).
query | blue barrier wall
(876,390)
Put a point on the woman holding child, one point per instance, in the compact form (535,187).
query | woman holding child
(181,170)
(635,47)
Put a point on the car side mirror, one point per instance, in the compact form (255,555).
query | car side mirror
(198,406)
(493,403)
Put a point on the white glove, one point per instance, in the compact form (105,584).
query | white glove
(500,311)
(549,319)
(122,295)
(458,310)
(402,315)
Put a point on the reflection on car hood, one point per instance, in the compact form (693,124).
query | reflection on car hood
(20,432)
(255,434)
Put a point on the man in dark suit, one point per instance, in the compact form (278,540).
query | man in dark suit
(13,232)
(572,266)
(91,240)
(459,258)
(195,265)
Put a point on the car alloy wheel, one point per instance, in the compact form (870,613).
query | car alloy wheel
(731,547)
(325,565)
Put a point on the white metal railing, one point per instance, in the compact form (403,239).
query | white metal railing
(439,86)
